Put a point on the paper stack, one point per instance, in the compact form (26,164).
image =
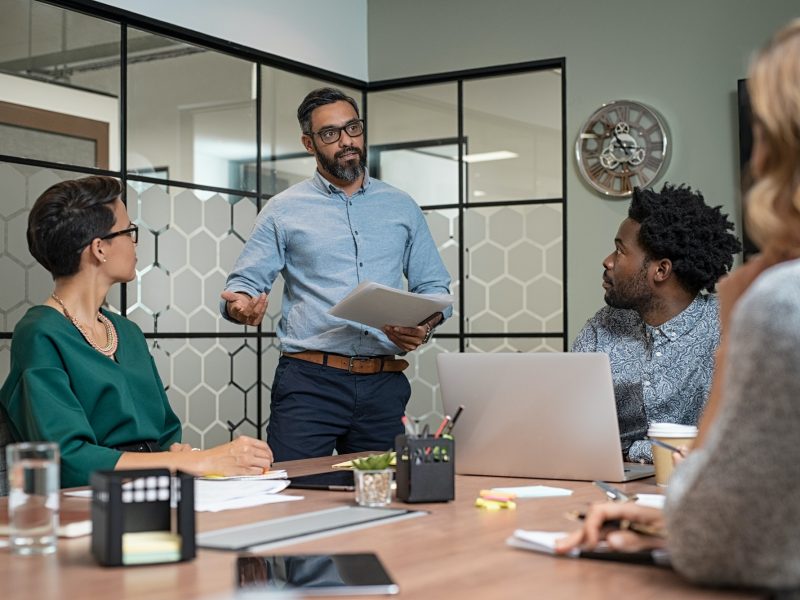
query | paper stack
(226,494)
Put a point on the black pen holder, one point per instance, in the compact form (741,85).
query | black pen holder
(425,469)
(140,501)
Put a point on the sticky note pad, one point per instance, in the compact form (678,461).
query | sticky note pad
(147,547)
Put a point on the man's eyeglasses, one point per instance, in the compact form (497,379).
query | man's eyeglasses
(132,231)
(329,135)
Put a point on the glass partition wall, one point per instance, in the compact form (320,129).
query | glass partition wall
(203,136)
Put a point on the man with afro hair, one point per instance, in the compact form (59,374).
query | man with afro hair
(661,326)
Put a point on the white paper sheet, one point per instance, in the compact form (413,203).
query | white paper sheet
(377,305)
(534,491)
(651,500)
(278,474)
(539,541)
(216,495)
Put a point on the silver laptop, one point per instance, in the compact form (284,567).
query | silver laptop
(542,415)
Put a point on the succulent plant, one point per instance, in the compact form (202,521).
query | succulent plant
(375,462)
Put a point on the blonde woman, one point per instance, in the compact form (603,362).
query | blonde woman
(732,515)
(83,376)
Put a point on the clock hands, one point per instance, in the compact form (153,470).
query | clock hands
(621,145)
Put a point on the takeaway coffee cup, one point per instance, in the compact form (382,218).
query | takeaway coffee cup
(674,435)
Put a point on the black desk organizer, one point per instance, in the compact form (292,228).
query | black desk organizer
(425,469)
(144,505)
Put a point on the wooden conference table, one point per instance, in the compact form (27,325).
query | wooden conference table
(457,551)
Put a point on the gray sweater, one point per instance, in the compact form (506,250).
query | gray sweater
(733,507)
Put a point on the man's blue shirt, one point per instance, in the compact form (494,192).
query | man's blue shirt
(324,244)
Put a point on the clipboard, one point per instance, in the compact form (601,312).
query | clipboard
(377,305)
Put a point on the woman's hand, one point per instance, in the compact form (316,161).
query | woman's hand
(242,456)
(595,528)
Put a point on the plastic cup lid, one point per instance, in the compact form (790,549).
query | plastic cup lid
(673,430)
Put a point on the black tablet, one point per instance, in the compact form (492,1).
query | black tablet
(313,575)
(341,481)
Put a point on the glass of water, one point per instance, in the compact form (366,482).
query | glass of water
(33,487)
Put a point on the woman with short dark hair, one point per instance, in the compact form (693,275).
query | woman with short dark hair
(81,375)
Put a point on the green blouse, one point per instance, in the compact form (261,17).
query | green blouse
(61,389)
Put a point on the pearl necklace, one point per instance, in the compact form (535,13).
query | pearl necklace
(111,333)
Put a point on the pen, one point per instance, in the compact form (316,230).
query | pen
(666,446)
(641,528)
(454,419)
(616,494)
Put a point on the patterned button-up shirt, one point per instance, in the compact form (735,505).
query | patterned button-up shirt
(661,374)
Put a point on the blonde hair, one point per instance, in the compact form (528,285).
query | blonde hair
(773,203)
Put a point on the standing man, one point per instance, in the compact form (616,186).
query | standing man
(338,383)
(659,330)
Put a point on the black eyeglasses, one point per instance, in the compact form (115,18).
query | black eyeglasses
(132,231)
(329,135)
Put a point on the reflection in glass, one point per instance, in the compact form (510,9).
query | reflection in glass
(190,111)
(60,46)
(413,141)
(513,129)
(414,114)
(429,173)
(515,269)
(76,121)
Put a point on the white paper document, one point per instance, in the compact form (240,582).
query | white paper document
(277,474)
(217,495)
(538,541)
(651,500)
(377,305)
(534,491)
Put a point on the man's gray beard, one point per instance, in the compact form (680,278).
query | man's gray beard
(348,173)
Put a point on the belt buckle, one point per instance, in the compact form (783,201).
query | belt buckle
(354,358)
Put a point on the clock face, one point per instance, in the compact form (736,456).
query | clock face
(623,145)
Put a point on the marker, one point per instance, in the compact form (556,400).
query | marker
(410,431)
(443,424)
(454,419)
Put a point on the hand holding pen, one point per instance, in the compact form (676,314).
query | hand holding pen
(678,454)
(639,519)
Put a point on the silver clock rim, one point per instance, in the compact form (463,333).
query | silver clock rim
(665,150)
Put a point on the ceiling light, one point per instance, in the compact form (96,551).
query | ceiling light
(487,156)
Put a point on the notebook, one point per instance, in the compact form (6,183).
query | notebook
(541,415)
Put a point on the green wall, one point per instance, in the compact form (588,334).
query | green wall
(683,57)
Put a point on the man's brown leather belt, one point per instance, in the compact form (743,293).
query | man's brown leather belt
(360,365)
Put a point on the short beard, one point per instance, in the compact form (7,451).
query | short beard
(634,294)
(349,171)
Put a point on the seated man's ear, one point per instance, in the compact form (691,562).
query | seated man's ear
(663,270)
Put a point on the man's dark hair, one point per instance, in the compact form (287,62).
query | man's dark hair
(317,98)
(677,224)
(67,217)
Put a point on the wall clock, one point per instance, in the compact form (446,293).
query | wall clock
(624,144)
